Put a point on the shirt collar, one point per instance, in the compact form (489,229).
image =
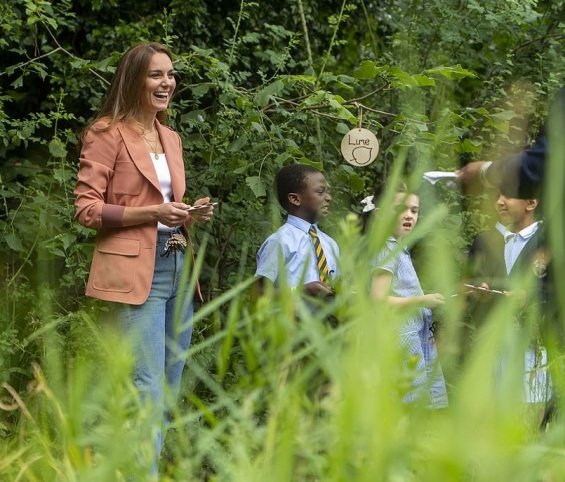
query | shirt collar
(525,233)
(404,248)
(299,223)
(501,228)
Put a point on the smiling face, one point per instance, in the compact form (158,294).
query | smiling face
(313,200)
(408,206)
(159,85)
(516,213)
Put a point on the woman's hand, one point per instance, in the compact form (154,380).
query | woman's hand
(203,214)
(172,214)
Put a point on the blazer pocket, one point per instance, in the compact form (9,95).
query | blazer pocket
(126,179)
(115,264)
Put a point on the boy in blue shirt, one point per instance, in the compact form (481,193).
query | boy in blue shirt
(307,254)
(519,254)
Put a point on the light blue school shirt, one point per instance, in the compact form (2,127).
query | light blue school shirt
(515,242)
(293,245)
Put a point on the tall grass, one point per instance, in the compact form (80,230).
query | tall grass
(280,399)
(277,394)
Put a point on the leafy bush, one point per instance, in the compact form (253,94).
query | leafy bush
(439,83)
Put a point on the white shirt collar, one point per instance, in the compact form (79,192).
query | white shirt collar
(501,228)
(525,233)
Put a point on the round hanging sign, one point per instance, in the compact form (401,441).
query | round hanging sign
(359,147)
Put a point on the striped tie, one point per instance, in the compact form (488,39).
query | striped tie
(320,255)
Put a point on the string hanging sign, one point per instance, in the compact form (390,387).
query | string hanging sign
(359,146)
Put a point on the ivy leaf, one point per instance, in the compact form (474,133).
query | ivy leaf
(256,185)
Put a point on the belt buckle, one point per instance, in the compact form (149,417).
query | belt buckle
(176,242)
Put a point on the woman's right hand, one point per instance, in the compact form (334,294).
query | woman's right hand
(172,214)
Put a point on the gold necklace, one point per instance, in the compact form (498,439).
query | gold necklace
(152,148)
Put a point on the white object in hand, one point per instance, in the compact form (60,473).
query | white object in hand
(434,176)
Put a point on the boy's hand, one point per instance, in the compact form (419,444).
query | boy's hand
(519,295)
(318,289)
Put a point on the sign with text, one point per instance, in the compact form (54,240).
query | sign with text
(359,147)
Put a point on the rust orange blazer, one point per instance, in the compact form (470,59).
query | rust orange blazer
(116,171)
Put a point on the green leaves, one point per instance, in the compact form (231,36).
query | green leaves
(57,148)
(367,70)
(455,72)
(263,97)
(256,185)
(14,242)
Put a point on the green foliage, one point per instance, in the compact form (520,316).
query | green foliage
(439,82)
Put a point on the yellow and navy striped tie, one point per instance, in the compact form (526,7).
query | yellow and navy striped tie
(321,261)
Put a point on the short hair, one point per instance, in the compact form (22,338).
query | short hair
(291,179)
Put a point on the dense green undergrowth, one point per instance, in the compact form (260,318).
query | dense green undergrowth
(440,83)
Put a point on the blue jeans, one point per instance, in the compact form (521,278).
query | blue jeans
(159,333)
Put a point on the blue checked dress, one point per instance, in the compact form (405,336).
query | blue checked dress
(415,334)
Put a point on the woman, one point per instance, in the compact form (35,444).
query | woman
(131,184)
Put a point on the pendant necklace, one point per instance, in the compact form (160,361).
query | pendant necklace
(152,149)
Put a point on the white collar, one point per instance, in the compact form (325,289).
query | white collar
(525,233)
(501,228)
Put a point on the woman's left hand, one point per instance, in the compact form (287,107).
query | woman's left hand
(202,214)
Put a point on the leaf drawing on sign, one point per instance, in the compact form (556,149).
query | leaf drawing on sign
(362,155)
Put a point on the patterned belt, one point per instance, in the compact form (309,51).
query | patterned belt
(175,242)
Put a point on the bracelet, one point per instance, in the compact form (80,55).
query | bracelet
(483,173)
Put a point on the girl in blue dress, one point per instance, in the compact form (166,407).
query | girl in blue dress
(395,280)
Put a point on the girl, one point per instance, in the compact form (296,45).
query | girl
(395,280)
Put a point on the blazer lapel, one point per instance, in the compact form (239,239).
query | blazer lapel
(139,153)
(173,150)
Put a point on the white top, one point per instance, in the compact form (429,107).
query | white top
(164,177)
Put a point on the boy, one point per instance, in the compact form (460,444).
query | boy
(307,255)
(521,253)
